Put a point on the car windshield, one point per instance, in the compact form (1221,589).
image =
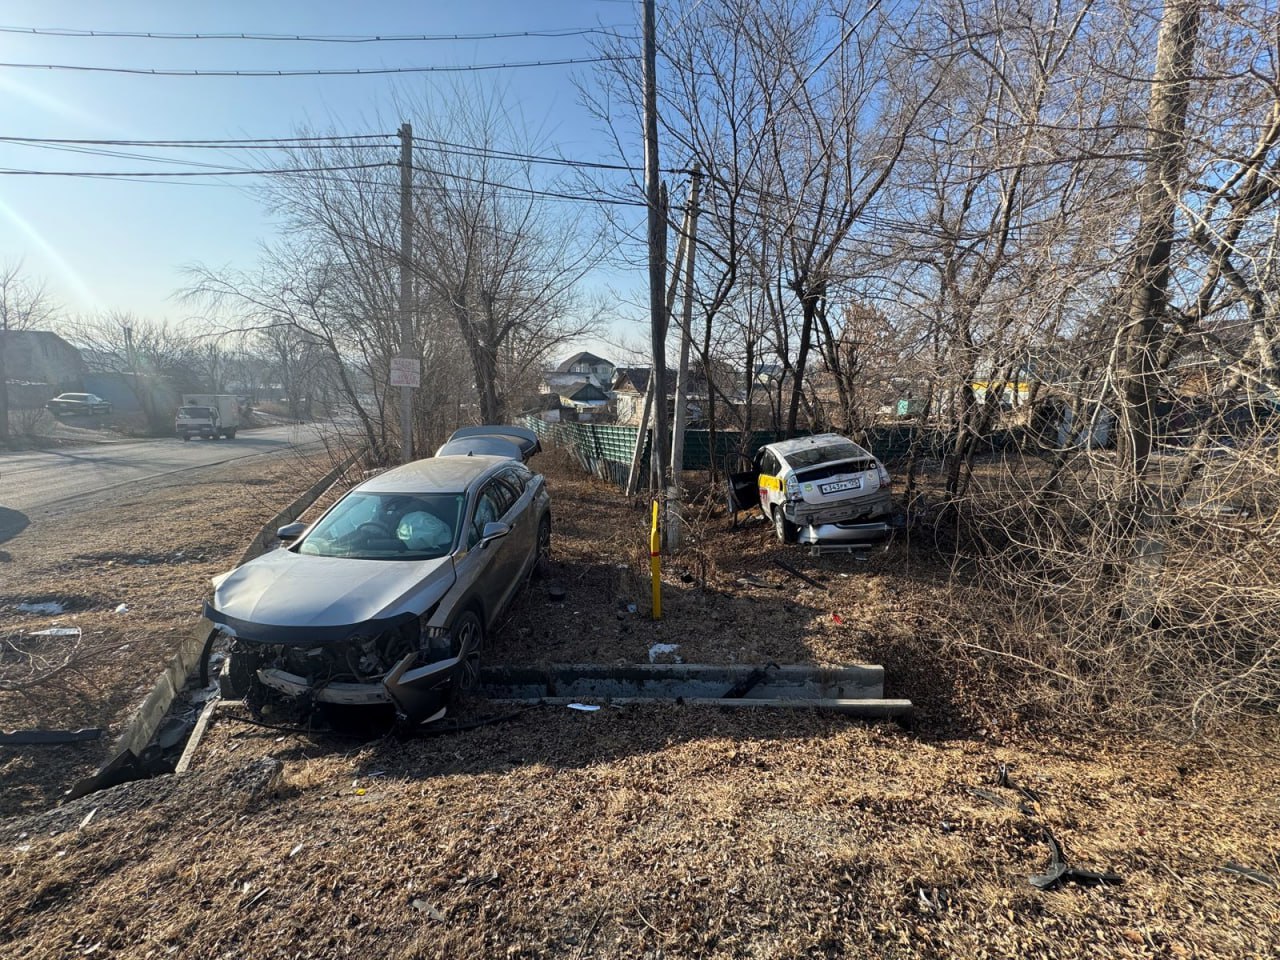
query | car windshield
(388,526)
(827,453)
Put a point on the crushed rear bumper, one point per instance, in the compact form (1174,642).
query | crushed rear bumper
(850,536)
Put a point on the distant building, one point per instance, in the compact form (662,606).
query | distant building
(584,397)
(40,356)
(587,366)
(39,365)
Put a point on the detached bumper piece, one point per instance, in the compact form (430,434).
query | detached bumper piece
(856,538)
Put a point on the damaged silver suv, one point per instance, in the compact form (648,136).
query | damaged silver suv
(388,596)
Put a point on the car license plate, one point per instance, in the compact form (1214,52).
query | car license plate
(840,486)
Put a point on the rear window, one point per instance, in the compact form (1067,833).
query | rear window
(193,412)
(827,453)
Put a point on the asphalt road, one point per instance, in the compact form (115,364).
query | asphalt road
(77,479)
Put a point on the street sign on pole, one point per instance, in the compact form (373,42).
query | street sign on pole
(406,372)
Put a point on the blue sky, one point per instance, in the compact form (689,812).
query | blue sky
(112,245)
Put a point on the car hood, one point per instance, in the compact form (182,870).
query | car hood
(288,589)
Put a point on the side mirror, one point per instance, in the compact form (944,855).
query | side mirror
(494,530)
(290,532)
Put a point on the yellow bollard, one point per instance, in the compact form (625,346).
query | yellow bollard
(655,563)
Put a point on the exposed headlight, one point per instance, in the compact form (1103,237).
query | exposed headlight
(433,641)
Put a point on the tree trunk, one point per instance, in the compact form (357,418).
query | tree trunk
(809,309)
(1157,206)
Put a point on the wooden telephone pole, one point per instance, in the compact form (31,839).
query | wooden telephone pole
(657,248)
(406,289)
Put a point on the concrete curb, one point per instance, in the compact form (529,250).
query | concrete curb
(146,720)
(193,741)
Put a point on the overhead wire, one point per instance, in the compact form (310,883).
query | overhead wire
(308,38)
(332,142)
(328,72)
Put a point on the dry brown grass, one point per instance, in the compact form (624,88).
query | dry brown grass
(152,549)
(624,832)
(665,831)
(1134,616)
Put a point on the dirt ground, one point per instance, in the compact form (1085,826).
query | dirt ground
(672,831)
(150,549)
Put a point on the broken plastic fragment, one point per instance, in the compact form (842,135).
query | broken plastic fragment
(588,707)
(50,608)
(660,649)
(123,608)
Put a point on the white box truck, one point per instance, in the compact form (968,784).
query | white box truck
(207,415)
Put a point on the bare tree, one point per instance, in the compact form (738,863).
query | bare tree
(155,359)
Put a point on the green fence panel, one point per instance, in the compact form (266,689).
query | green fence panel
(605,450)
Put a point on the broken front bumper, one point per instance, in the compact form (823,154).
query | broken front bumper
(419,683)
(417,692)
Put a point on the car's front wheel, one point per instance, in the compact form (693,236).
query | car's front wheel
(242,670)
(467,641)
(544,548)
(783,528)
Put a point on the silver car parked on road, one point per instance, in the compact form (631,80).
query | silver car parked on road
(387,597)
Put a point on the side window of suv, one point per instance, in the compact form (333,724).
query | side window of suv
(516,479)
(488,509)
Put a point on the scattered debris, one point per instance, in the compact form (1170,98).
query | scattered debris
(1248,873)
(172,732)
(57,632)
(748,683)
(34,738)
(123,608)
(49,608)
(797,574)
(586,707)
(751,580)
(125,767)
(662,650)
(87,818)
(1059,871)
(423,907)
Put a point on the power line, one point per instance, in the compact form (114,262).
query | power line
(441,146)
(445,146)
(337,72)
(310,38)
(325,143)
(11,172)
(532,191)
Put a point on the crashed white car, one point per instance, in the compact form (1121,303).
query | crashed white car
(823,489)
(388,596)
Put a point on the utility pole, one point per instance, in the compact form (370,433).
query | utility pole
(657,246)
(406,293)
(689,243)
(682,371)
